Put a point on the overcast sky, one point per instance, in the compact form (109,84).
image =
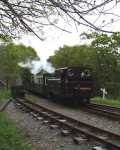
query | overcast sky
(54,39)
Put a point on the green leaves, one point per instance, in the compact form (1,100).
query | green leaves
(10,57)
(5,38)
(67,56)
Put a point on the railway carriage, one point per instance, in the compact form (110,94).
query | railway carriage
(68,84)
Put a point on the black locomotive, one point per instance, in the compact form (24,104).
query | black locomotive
(68,84)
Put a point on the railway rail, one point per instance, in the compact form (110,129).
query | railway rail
(105,110)
(110,139)
(106,107)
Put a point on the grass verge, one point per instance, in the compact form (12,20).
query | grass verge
(4,95)
(10,138)
(111,102)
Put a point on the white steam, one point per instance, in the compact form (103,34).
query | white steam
(40,65)
(36,66)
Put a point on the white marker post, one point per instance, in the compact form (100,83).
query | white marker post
(104,92)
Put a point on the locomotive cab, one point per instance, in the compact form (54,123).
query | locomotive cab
(79,84)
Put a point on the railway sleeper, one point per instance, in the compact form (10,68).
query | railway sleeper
(79,140)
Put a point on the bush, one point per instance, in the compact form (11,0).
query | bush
(113,89)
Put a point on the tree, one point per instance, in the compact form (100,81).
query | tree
(66,56)
(18,15)
(10,57)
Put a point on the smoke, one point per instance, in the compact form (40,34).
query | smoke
(42,65)
(49,68)
(36,66)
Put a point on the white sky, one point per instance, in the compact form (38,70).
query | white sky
(54,40)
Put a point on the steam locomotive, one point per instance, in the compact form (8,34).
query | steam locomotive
(68,84)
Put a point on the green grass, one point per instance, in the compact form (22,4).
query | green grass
(10,138)
(111,102)
(4,95)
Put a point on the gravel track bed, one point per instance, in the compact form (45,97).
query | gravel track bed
(42,137)
(87,117)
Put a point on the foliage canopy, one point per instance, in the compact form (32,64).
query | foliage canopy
(26,15)
(10,57)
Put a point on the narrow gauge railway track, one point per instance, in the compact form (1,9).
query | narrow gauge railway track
(108,111)
(102,110)
(111,140)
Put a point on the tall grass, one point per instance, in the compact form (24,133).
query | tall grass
(10,138)
(111,102)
